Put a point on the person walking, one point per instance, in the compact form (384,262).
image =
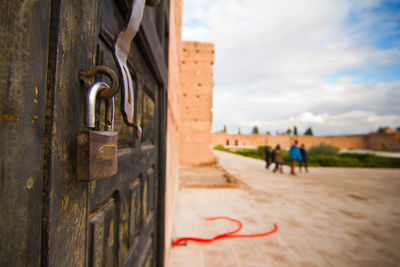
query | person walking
(278,159)
(267,156)
(303,158)
(294,155)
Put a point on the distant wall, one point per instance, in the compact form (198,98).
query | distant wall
(390,141)
(196,82)
(238,139)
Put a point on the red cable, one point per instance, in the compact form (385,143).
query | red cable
(207,240)
(224,235)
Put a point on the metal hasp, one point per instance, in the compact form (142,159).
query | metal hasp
(97,151)
(122,46)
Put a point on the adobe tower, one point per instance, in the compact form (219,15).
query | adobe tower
(196,72)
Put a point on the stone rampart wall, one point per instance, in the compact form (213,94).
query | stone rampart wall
(385,141)
(390,141)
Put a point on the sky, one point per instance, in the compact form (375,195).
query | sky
(333,65)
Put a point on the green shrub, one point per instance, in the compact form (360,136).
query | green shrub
(261,151)
(251,153)
(333,161)
(323,149)
(373,161)
(222,148)
(323,160)
(285,154)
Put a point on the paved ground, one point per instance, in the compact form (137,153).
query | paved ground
(327,217)
(207,177)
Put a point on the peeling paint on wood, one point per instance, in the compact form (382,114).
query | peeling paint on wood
(9,117)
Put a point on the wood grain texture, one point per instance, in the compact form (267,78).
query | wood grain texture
(71,50)
(23,62)
(47,216)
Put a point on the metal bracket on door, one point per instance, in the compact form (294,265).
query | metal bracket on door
(122,46)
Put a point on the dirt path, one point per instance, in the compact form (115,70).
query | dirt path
(327,217)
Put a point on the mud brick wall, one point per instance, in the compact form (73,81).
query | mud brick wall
(385,141)
(172,175)
(388,141)
(196,80)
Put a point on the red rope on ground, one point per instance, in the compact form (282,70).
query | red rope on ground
(224,235)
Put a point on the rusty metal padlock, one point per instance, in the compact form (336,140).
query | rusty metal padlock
(97,151)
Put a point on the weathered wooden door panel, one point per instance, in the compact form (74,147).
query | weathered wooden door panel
(23,63)
(123,213)
(48,217)
(65,202)
(134,189)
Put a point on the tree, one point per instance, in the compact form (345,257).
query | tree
(309,131)
(224,130)
(295,130)
(268,133)
(255,130)
(383,129)
(239,132)
(288,131)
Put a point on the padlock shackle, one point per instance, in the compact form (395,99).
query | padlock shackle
(90,119)
(109,118)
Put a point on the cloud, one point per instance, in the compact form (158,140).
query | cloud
(319,104)
(356,122)
(272,59)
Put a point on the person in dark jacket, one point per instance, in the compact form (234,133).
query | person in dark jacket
(294,155)
(278,159)
(303,160)
(267,156)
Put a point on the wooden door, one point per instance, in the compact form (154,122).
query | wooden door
(116,221)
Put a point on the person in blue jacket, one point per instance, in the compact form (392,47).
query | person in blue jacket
(294,155)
